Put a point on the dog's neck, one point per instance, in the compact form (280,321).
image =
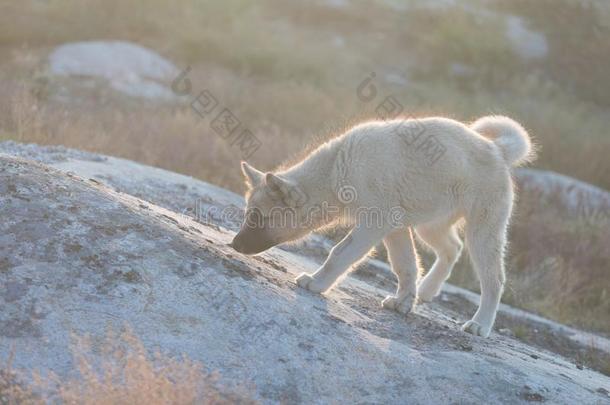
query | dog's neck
(311,175)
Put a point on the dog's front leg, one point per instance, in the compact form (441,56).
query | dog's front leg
(403,258)
(353,247)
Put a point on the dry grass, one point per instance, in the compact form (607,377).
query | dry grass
(13,391)
(121,371)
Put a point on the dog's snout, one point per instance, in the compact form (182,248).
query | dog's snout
(250,244)
(236,243)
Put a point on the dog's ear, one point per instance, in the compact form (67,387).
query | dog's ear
(281,189)
(276,183)
(253,177)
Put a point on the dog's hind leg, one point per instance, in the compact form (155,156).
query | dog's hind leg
(443,238)
(486,241)
(404,262)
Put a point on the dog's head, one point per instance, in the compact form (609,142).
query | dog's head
(274,212)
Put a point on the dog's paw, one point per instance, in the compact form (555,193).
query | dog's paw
(403,306)
(389,302)
(426,291)
(306,281)
(475,328)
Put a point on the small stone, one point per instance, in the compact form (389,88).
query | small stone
(506,332)
(465,347)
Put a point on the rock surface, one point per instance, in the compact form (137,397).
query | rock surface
(526,43)
(78,256)
(126,67)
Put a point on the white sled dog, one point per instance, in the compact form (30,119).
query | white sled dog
(388,180)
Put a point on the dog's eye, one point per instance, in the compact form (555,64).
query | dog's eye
(254,218)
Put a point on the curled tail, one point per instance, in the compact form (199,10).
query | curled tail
(509,136)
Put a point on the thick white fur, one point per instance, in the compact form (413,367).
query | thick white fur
(470,181)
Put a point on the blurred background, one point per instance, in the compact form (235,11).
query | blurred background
(97,75)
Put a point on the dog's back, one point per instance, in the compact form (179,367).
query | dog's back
(430,166)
